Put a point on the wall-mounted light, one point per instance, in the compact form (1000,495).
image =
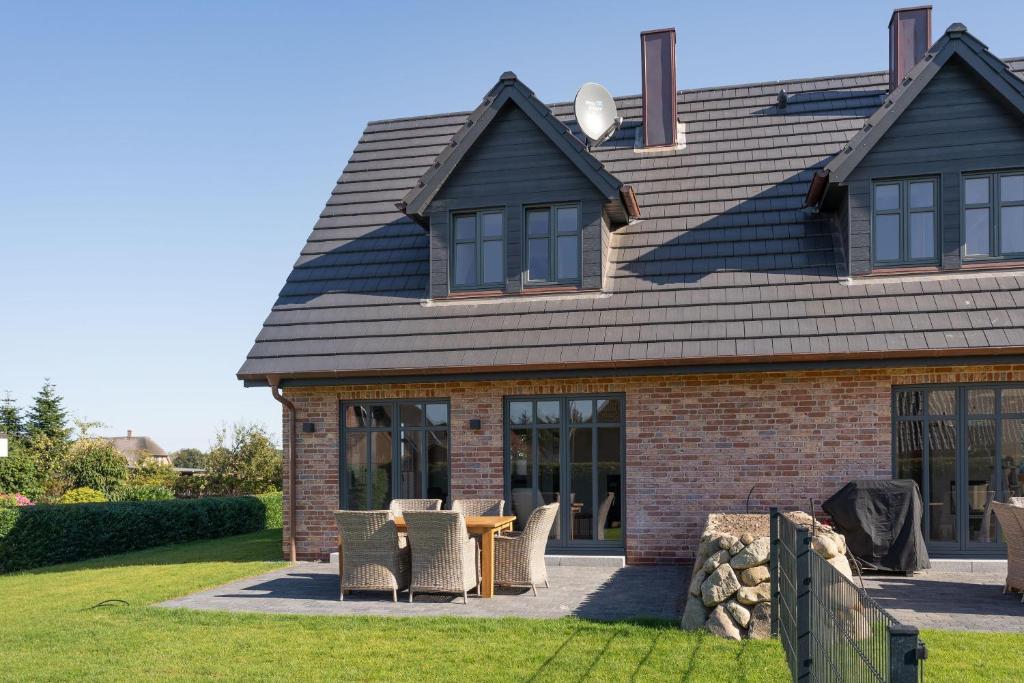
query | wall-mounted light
(308,427)
(474,423)
(3,445)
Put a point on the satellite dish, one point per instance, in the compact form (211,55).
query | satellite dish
(596,113)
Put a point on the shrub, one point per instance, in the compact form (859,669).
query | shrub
(51,534)
(94,463)
(83,494)
(148,472)
(135,492)
(20,472)
(244,461)
(14,500)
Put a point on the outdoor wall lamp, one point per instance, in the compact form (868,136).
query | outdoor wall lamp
(474,423)
(308,427)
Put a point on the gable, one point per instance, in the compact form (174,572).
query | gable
(955,123)
(514,159)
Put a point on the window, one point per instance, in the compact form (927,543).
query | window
(993,215)
(553,244)
(905,228)
(478,249)
(393,449)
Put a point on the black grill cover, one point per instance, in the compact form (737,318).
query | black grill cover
(882,523)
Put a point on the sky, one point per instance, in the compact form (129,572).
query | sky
(162,163)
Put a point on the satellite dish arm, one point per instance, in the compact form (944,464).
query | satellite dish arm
(616,122)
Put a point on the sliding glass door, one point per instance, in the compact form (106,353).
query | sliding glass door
(963,445)
(570,450)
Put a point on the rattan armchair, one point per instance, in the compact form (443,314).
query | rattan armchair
(1011,519)
(519,557)
(399,506)
(479,507)
(372,555)
(444,555)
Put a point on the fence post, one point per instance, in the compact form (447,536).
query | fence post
(773,567)
(803,604)
(903,643)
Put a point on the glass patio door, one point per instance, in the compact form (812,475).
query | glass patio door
(964,447)
(567,450)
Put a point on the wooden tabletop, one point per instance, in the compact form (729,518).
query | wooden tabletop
(476,524)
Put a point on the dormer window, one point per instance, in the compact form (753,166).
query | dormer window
(905,229)
(553,244)
(993,215)
(478,254)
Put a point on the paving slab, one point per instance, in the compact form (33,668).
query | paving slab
(959,601)
(597,593)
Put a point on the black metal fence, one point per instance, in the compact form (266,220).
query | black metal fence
(830,629)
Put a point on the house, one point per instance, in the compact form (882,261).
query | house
(748,296)
(136,448)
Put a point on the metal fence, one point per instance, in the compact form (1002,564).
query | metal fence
(830,629)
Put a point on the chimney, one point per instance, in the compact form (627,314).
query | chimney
(658,60)
(129,433)
(910,36)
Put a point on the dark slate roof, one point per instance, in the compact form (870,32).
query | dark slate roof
(725,265)
(955,41)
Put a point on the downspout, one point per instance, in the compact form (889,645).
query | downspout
(275,390)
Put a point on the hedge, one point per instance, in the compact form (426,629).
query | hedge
(50,534)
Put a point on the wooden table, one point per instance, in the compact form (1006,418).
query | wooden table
(485,527)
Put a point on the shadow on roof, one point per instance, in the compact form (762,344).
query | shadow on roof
(830,103)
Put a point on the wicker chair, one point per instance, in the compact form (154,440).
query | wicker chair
(519,558)
(602,515)
(399,506)
(444,558)
(1011,519)
(479,507)
(373,555)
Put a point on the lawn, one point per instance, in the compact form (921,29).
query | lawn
(55,628)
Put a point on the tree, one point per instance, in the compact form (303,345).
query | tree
(96,464)
(10,419)
(19,472)
(244,461)
(47,415)
(189,457)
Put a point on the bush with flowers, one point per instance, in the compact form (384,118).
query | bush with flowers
(14,500)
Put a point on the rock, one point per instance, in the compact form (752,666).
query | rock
(721,557)
(760,626)
(694,615)
(747,539)
(736,547)
(751,595)
(739,613)
(721,624)
(754,554)
(824,546)
(720,585)
(755,575)
(842,565)
(726,541)
(698,578)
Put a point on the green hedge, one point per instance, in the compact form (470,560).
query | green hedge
(50,534)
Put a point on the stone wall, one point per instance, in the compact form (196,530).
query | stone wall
(694,443)
(730,588)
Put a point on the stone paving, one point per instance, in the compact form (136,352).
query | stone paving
(597,593)
(947,600)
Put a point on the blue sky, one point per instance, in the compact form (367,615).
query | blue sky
(161,164)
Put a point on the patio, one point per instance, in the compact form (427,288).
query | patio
(588,592)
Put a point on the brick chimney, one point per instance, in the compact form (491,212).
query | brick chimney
(129,433)
(910,36)
(660,111)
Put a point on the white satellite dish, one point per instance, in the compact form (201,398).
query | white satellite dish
(596,113)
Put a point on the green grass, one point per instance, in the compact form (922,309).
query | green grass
(50,630)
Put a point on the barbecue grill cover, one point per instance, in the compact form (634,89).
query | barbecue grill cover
(882,523)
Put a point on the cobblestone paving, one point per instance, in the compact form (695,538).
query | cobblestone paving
(603,594)
(946,600)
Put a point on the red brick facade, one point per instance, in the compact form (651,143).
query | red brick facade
(695,444)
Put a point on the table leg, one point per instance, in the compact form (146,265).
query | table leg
(487,564)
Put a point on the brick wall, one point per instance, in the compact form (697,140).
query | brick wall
(694,443)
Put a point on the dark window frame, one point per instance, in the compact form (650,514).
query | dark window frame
(552,238)
(564,424)
(994,206)
(904,211)
(478,241)
(395,429)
